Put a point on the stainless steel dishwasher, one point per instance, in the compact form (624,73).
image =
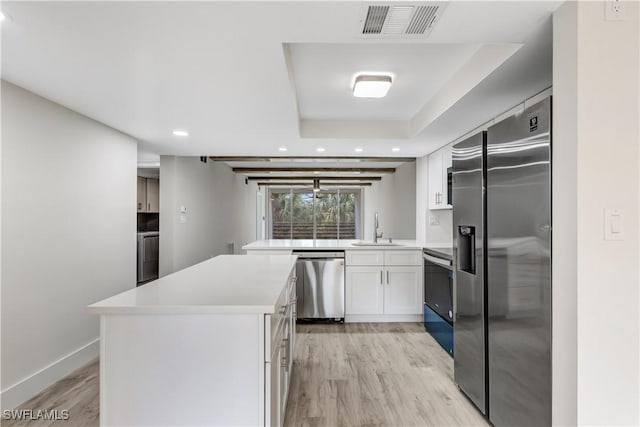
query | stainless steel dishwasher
(320,285)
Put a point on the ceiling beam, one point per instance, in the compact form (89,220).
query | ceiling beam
(312,169)
(321,159)
(309,184)
(311,178)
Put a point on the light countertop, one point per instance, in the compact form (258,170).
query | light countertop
(224,284)
(325,244)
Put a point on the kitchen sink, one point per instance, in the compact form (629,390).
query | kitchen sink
(372,243)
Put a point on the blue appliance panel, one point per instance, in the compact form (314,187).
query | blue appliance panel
(439,329)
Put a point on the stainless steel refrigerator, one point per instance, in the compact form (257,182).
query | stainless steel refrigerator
(502,244)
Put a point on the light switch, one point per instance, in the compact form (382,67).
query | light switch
(613,224)
(433,220)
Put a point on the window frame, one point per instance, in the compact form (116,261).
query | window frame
(358,208)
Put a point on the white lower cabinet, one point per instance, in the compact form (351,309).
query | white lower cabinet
(403,291)
(364,290)
(278,366)
(385,292)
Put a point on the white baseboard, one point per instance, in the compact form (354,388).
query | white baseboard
(382,318)
(25,389)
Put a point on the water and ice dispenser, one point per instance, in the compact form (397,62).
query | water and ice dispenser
(467,248)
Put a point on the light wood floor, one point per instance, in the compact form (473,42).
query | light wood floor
(374,374)
(366,374)
(78,393)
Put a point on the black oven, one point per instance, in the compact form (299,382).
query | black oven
(438,285)
(438,296)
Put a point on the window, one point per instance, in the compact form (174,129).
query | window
(303,214)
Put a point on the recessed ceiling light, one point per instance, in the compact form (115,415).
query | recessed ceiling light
(282,148)
(320,150)
(395,149)
(316,172)
(358,150)
(371,86)
(180,132)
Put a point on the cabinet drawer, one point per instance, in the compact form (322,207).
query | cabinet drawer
(364,257)
(400,257)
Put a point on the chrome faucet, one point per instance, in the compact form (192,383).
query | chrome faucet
(376,234)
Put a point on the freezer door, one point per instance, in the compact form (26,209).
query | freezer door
(468,243)
(519,268)
(322,287)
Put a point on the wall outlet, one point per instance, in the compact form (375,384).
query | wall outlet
(433,220)
(614,10)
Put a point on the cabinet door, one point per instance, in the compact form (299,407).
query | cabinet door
(285,365)
(447,162)
(153,195)
(364,288)
(435,180)
(273,385)
(142,195)
(403,290)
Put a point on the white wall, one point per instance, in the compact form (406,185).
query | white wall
(68,237)
(394,199)
(595,165)
(221,208)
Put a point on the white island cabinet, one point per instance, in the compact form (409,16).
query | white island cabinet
(210,345)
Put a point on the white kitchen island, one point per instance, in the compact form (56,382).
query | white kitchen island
(207,345)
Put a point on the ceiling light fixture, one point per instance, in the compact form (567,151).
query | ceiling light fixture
(366,86)
(180,132)
(282,149)
(316,185)
(358,150)
(395,149)
(320,150)
(2,16)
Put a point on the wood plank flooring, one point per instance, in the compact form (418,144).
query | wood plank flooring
(78,393)
(374,374)
(355,374)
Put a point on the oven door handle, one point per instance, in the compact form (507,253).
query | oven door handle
(439,261)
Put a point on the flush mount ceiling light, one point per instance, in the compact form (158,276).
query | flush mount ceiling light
(282,149)
(366,86)
(395,149)
(358,150)
(180,132)
(320,150)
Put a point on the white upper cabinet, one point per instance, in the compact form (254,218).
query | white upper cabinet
(438,163)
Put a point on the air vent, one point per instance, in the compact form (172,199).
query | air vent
(400,20)
(376,16)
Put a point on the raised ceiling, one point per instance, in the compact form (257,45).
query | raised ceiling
(324,74)
(220,70)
